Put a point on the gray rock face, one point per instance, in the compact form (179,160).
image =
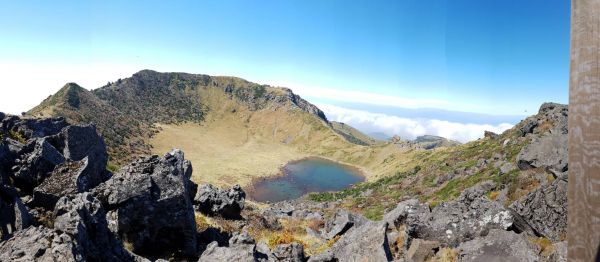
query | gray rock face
(37,244)
(341,222)
(68,178)
(216,202)
(14,215)
(293,252)
(34,128)
(80,234)
(241,248)
(85,145)
(420,250)
(83,218)
(326,256)
(33,167)
(403,210)
(549,113)
(365,243)
(470,216)
(40,156)
(549,151)
(528,126)
(557,114)
(545,209)
(497,246)
(150,205)
(233,253)
(506,168)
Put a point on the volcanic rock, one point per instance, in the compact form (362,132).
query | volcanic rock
(545,209)
(216,202)
(150,204)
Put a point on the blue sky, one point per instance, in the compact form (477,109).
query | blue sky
(502,57)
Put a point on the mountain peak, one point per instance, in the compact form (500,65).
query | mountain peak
(70,93)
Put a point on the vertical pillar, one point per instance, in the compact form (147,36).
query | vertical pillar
(583,231)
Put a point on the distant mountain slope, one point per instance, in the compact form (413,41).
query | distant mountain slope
(354,135)
(124,133)
(125,111)
(380,136)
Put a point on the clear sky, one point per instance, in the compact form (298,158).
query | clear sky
(499,57)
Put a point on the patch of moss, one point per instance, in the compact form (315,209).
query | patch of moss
(16,136)
(111,167)
(374,212)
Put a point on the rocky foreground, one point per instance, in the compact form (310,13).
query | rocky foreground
(59,203)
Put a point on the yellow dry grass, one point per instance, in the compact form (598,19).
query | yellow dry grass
(445,255)
(235,144)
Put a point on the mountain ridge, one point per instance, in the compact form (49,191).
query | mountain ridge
(134,105)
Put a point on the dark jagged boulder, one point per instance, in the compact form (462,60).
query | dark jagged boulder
(68,178)
(341,222)
(241,248)
(37,244)
(31,127)
(557,115)
(292,252)
(216,202)
(499,245)
(551,118)
(528,126)
(548,151)
(150,206)
(5,154)
(84,141)
(490,135)
(548,147)
(364,243)
(421,250)
(545,209)
(80,234)
(35,165)
(40,156)
(14,216)
(471,215)
(405,209)
(83,218)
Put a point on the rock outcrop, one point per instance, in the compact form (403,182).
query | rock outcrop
(80,234)
(14,216)
(341,222)
(216,202)
(548,148)
(451,223)
(293,252)
(365,243)
(545,210)
(149,204)
(241,248)
(499,245)
(548,151)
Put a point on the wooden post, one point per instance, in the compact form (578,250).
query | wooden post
(584,132)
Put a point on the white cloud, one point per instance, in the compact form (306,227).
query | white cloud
(373,98)
(409,128)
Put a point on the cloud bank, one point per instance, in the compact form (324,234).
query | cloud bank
(409,128)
